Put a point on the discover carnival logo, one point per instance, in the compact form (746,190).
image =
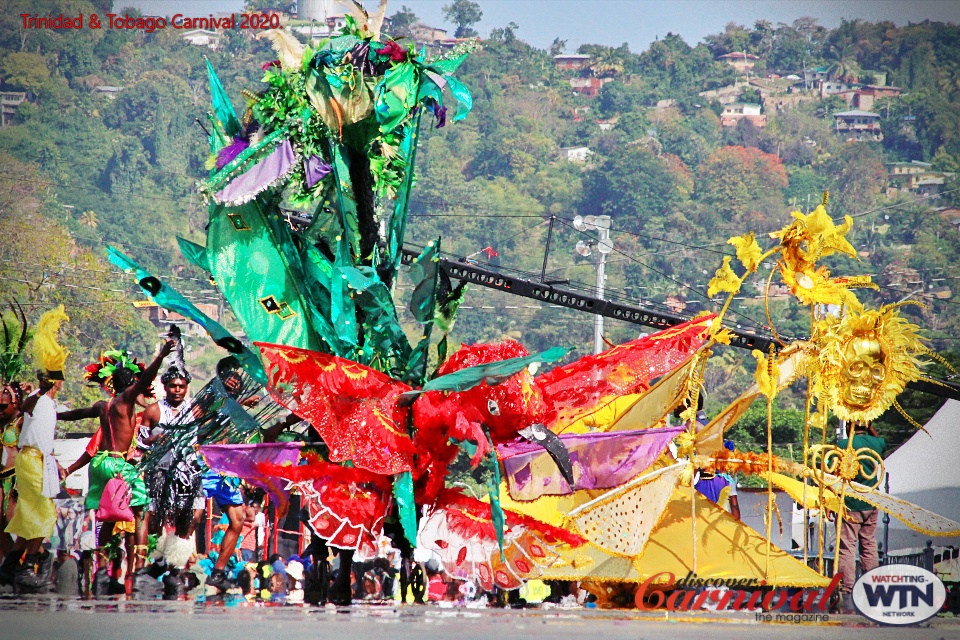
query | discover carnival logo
(899,594)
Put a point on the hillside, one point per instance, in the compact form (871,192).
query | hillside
(106,149)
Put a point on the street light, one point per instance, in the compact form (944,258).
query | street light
(600,224)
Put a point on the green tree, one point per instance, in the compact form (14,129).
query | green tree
(829,106)
(507,34)
(751,429)
(402,21)
(634,184)
(464,14)
(857,178)
(24,71)
(45,267)
(805,189)
(735,38)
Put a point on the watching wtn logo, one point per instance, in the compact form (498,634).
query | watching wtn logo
(899,594)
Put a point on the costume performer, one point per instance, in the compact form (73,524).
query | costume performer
(217,416)
(12,395)
(38,473)
(226,492)
(176,492)
(118,424)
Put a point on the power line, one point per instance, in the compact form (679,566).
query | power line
(112,272)
(903,204)
(674,280)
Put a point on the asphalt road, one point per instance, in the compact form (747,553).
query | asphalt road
(49,619)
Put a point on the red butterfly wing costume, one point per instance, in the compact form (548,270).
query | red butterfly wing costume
(354,408)
(345,506)
(591,382)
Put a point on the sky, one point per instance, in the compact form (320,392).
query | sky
(613,22)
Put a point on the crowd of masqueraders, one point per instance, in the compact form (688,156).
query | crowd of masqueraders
(54,540)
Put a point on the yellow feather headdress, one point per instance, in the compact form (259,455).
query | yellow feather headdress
(49,354)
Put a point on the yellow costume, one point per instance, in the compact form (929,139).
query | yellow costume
(35,515)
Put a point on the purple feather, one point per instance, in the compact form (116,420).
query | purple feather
(230,152)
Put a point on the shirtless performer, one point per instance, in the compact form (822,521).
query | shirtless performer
(118,424)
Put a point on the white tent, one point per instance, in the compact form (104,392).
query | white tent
(925,470)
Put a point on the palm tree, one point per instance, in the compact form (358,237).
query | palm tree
(844,67)
(606,63)
(89,218)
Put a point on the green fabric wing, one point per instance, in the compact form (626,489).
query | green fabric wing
(194,253)
(171,300)
(245,259)
(226,117)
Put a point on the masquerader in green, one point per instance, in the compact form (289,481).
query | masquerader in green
(12,368)
(128,380)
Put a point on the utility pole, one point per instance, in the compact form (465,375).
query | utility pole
(601,224)
(604,246)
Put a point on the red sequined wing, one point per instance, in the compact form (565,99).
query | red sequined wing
(593,381)
(354,408)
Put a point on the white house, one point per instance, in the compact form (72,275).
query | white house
(737,111)
(579,155)
(202,38)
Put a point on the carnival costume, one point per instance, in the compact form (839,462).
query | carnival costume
(38,480)
(12,367)
(175,482)
(333,136)
(107,465)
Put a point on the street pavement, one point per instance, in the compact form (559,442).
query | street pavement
(49,618)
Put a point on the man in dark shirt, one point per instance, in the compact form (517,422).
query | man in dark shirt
(859,527)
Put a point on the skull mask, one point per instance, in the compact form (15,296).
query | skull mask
(864,371)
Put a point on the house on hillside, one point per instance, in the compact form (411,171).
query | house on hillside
(202,38)
(916,177)
(858,125)
(162,318)
(815,75)
(833,87)
(950,214)
(577,155)
(9,102)
(450,43)
(740,60)
(737,111)
(857,99)
(862,97)
(107,91)
(589,87)
(881,91)
(425,34)
(571,61)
